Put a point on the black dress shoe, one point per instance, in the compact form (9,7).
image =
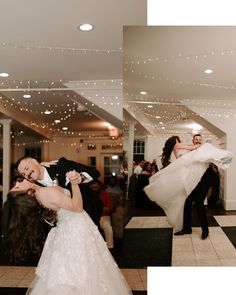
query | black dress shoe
(183,232)
(204,235)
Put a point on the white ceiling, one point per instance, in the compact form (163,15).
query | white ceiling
(168,62)
(42,50)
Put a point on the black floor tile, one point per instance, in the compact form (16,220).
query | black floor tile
(230,232)
(139,292)
(12,291)
(146,247)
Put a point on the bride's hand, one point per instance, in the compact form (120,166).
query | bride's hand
(74,177)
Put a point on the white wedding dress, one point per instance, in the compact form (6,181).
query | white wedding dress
(76,261)
(170,186)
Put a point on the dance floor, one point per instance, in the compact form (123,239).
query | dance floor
(149,241)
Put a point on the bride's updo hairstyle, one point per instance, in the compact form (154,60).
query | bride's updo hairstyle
(24,228)
(167,150)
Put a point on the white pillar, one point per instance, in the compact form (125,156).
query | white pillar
(6,157)
(130,148)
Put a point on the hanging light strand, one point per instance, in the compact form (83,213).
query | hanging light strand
(61,49)
(182,56)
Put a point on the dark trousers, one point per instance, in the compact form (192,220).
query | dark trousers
(198,196)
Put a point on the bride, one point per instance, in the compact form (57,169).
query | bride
(170,186)
(75,258)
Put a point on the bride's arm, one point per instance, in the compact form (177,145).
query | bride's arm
(188,147)
(180,146)
(55,198)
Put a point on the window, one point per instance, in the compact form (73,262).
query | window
(112,166)
(34,152)
(92,161)
(139,150)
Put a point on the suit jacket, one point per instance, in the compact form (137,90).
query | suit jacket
(63,166)
(92,205)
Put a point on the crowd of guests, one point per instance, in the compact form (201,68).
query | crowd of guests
(142,170)
(145,167)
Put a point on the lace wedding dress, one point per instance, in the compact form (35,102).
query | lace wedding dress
(170,186)
(76,261)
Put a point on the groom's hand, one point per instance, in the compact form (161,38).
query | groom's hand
(74,177)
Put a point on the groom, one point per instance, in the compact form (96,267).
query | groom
(55,174)
(198,195)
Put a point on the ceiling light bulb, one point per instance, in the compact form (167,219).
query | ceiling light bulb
(4,75)
(208,71)
(143,92)
(65,128)
(195,126)
(150,106)
(26,95)
(57,121)
(86,27)
(47,112)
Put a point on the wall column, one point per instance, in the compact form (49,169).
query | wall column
(130,148)
(6,157)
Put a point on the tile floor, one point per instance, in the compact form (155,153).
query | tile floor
(187,250)
(21,277)
(190,250)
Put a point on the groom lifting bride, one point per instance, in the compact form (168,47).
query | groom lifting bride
(190,175)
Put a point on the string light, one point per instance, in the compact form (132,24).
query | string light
(182,56)
(99,136)
(181,82)
(61,49)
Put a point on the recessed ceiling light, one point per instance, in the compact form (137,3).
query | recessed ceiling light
(4,75)
(150,106)
(195,126)
(65,128)
(143,92)
(86,27)
(27,96)
(47,112)
(208,71)
(158,117)
(57,121)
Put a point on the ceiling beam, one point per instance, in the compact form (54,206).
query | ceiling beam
(25,119)
(138,115)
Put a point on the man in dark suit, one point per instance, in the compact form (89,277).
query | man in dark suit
(55,174)
(198,195)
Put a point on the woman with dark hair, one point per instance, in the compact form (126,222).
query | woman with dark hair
(25,230)
(172,148)
(75,258)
